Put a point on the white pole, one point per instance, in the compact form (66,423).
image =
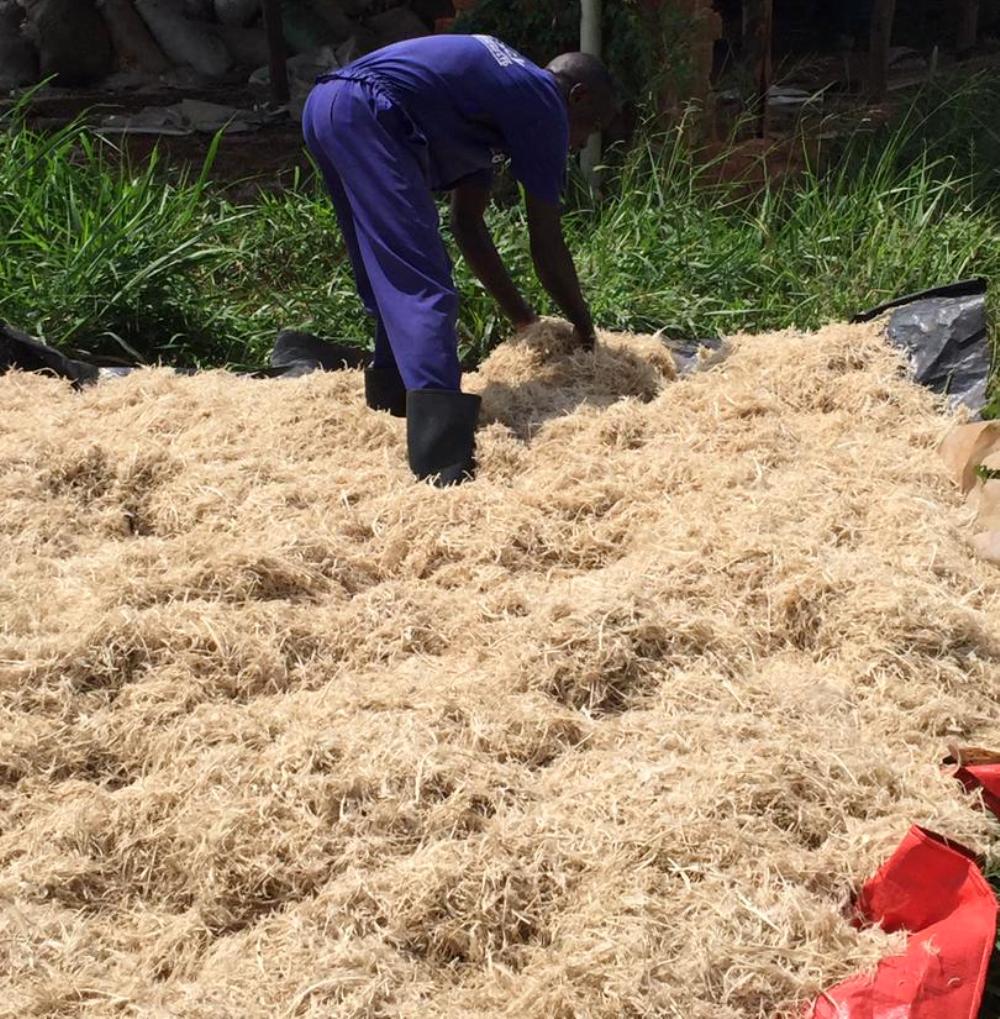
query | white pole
(590,42)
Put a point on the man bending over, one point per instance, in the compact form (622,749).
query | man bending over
(429,115)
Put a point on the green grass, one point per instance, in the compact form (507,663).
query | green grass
(123,261)
(104,256)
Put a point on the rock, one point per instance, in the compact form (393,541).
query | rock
(358,45)
(236,12)
(130,81)
(395,25)
(136,48)
(184,41)
(247,46)
(305,29)
(184,78)
(18,57)
(332,13)
(198,10)
(303,70)
(430,10)
(72,41)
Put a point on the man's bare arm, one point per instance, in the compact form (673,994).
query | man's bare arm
(468,205)
(555,268)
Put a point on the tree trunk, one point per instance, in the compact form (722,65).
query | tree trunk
(758,32)
(883,14)
(276,47)
(968,25)
(590,42)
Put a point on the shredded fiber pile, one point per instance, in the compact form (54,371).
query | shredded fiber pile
(615,730)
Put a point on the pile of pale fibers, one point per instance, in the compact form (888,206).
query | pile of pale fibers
(613,731)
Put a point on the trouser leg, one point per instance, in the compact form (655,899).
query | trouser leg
(367,140)
(315,115)
(396,229)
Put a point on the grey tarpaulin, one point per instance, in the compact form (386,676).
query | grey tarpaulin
(944,333)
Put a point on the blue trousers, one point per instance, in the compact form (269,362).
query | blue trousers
(370,154)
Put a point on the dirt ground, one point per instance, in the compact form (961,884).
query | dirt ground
(267,157)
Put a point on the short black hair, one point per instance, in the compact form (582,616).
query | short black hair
(587,69)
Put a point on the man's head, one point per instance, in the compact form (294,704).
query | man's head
(590,95)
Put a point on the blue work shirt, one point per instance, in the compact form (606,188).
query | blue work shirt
(469,97)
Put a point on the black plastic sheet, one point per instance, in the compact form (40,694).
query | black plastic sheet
(297,353)
(294,354)
(24,352)
(944,333)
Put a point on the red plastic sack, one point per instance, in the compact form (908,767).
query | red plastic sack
(979,769)
(935,890)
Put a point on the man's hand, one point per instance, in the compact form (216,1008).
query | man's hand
(555,268)
(468,204)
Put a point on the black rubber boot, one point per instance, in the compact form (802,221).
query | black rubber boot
(384,390)
(441,435)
